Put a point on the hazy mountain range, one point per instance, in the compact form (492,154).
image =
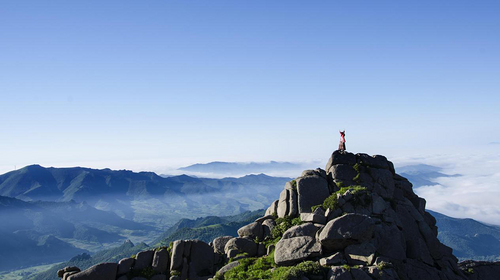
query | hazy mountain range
(222,169)
(422,174)
(76,210)
(53,214)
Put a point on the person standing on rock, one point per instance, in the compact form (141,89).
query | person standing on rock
(342,141)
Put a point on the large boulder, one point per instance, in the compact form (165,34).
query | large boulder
(202,259)
(307,229)
(177,253)
(283,203)
(312,190)
(339,273)
(253,231)
(60,272)
(294,250)
(102,271)
(346,230)
(339,157)
(144,259)
(227,267)
(272,210)
(360,254)
(342,172)
(242,245)
(220,242)
(124,265)
(267,227)
(161,261)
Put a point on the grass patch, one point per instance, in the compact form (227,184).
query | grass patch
(383,265)
(294,185)
(282,225)
(147,272)
(260,268)
(306,268)
(359,198)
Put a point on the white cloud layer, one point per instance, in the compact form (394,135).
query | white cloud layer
(475,194)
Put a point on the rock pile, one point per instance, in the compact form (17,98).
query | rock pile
(355,220)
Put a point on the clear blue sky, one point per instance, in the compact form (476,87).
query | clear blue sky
(145,84)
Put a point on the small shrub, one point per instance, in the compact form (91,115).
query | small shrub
(299,270)
(383,265)
(469,271)
(316,206)
(282,225)
(331,202)
(357,167)
(147,272)
(294,185)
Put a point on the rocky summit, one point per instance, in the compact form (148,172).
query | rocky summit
(355,220)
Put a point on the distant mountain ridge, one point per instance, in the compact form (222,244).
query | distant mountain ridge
(422,174)
(240,168)
(142,196)
(469,238)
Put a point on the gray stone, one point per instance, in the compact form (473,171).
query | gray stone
(187,248)
(346,230)
(360,254)
(312,190)
(124,265)
(383,177)
(266,217)
(177,252)
(292,203)
(102,271)
(342,172)
(273,209)
(379,205)
(227,267)
(293,250)
(332,214)
(306,229)
(185,268)
(144,259)
(123,277)
(313,218)
(308,173)
(60,272)
(202,259)
(334,259)
(139,278)
(338,273)
(390,242)
(253,231)
(341,158)
(376,161)
(160,261)
(283,203)
(175,277)
(243,245)
(232,253)
(68,274)
(267,227)
(220,242)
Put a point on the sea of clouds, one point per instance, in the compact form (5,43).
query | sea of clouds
(474,194)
